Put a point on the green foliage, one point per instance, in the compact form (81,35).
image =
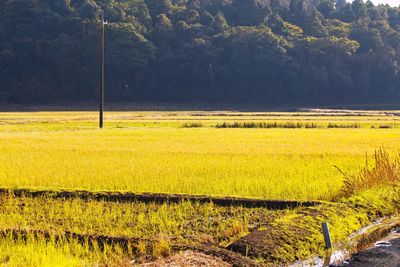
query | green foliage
(359,9)
(298,51)
(314,26)
(327,8)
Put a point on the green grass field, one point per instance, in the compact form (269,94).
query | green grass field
(257,155)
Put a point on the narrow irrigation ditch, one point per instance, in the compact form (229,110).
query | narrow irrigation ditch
(362,242)
(357,243)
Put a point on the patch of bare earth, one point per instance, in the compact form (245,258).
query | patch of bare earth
(188,258)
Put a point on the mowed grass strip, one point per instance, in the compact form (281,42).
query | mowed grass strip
(259,163)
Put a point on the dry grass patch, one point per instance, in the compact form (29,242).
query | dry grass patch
(384,172)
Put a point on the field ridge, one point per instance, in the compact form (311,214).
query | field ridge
(124,197)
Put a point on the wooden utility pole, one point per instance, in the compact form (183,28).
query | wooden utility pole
(101,99)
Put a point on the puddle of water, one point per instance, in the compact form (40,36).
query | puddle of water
(383,244)
(338,257)
(396,231)
(334,259)
(309,263)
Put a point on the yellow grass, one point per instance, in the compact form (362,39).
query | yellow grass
(152,152)
(44,253)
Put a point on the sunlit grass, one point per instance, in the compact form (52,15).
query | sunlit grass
(50,121)
(183,152)
(151,152)
(41,252)
(180,222)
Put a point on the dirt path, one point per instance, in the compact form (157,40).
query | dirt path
(385,252)
(188,258)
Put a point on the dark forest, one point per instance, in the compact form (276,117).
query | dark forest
(300,52)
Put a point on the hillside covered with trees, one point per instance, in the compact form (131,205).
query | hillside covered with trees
(224,51)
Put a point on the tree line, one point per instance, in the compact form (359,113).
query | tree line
(222,51)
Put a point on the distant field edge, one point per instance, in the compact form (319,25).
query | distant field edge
(127,197)
(170,106)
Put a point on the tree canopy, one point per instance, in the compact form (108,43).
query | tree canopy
(223,51)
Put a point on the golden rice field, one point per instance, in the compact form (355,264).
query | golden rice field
(43,253)
(247,154)
(161,152)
